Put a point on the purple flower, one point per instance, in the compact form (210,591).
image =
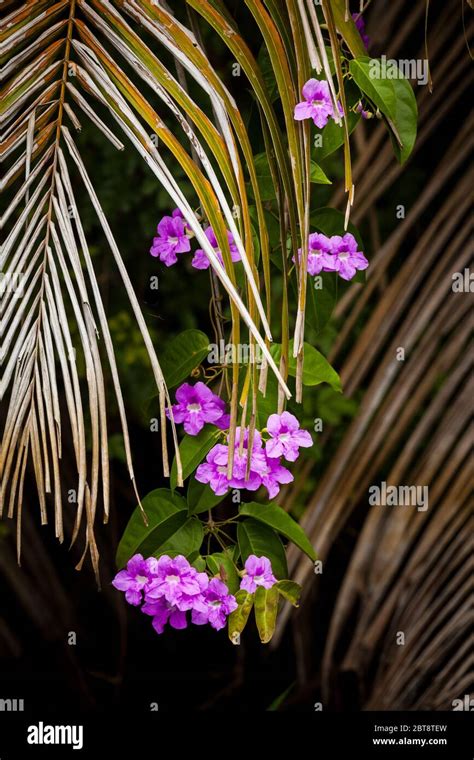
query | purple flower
(171,239)
(177,214)
(258,573)
(241,461)
(317,104)
(176,582)
(214,471)
(286,437)
(197,405)
(136,579)
(200,260)
(263,471)
(163,611)
(272,474)
(360,109)
(320,258)
(214,606)
(360,26)
(347,259)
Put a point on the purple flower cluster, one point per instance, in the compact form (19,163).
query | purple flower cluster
(171,587)
(317,104)
(197,405)
(173,238)
(334,254)
(264,468)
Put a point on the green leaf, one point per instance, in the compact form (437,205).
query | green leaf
(185,540)
(266,68)
(369,75)
(266,608)
(318,176)
(256,538)
(386,86)
(266,405)
(193,449)
(276,517)
(316,367)
(290,591)
(201,498)
(166,513)
(221,563)
(332,136)
(237,619)
(264,177)
(198,562)
(321,299)
(406,119)
(117,448)
(182,354)
(330,221)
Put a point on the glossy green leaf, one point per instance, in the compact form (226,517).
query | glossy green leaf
(185,540)
(264,177)
(275,517)
(290,591)
(266,608)
(254,537)
(266,69)
(222,564)
(182,354)
(316,368)
(330,221)
(321,299)
(237,620)
(369,75)
(331,137)
(201,498)
(193,450)
(166,513)
(394,96)
(406,119)
(198,562)
(267,404)
(318,176)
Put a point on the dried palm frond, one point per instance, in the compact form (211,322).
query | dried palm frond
(103,60)
(48,278)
